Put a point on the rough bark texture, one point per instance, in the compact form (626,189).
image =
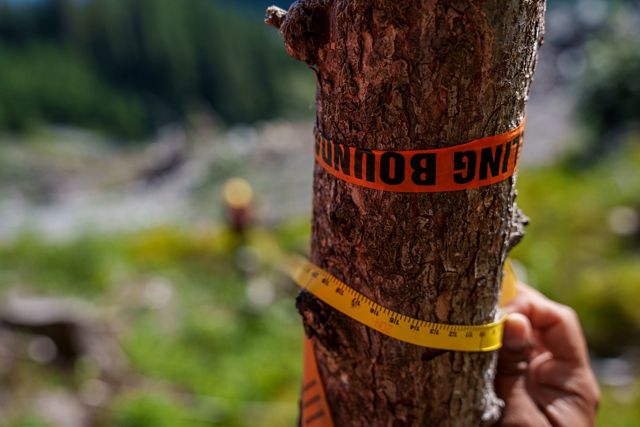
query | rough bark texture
(412,75)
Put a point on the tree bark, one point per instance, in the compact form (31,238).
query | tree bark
(412,75)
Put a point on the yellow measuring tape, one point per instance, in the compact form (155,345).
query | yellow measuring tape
(314,408)
(472,338)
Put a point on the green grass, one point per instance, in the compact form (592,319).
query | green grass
(571,253)
(212,357)
(620,408)
(209,357)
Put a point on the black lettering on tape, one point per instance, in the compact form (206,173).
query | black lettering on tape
(424,169)
(464,161)
(370,164)
(490,161)
(327,151)
(342,158)
(507,155)
(398,168)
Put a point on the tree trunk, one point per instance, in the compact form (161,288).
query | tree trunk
(412,75)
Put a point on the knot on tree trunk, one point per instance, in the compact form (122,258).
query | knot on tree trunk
(275,16)
(304,27)
(518,222)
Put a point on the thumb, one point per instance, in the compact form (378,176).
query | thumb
(518,333)
(517,347)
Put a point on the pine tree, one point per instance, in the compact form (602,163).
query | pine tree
(412,75)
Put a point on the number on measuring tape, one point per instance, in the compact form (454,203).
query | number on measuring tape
(440,336)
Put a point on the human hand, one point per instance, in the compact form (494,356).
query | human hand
(544,375)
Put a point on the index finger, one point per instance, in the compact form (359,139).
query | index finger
(557,325)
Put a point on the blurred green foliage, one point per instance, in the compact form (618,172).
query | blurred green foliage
(43,83)
(572,252)
(149,410)
(620,409)
(609,104)
(130,66)
(212,357)
(80,267)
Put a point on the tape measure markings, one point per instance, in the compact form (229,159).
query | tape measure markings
(476,338)
(315,410)
(321,415)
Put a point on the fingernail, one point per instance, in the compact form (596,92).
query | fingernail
(516,337)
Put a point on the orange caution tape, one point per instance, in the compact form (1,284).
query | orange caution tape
(314,409)
(475,164)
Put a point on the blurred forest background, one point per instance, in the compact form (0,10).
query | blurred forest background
(134,293)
